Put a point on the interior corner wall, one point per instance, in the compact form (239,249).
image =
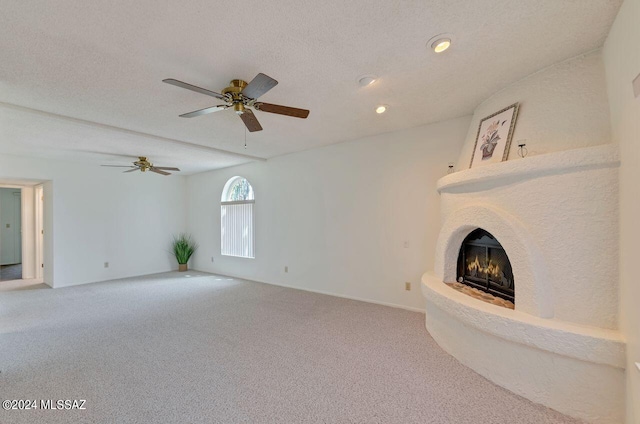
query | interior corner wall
(621,55)
(562,107)
(94,215)
(338,216)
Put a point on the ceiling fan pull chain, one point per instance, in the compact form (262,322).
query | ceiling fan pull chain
(245,137)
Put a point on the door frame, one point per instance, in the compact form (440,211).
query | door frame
(32,228)
(38,198)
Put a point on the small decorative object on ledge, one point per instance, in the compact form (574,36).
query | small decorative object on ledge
(522,150)
(183,247)
(494,137)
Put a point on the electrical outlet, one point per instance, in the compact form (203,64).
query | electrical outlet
(407,286)
(286,269)
(106,264)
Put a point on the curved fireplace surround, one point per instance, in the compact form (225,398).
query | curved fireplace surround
(555,216)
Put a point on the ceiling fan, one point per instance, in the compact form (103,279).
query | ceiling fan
(242,96)
(143,165)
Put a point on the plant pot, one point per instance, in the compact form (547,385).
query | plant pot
(182,267)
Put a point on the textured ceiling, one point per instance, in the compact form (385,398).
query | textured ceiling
(103,62)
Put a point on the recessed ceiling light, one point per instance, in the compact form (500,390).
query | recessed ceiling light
(440,42)
(441,45)
(365,80)
(381,109)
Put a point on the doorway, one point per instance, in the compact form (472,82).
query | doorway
(21,233)
(10,234)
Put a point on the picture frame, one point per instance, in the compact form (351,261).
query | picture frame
(494,137)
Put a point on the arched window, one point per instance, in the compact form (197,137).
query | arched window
(236,219)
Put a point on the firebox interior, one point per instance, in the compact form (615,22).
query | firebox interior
(483,264)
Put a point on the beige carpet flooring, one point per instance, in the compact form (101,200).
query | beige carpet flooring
(208,349)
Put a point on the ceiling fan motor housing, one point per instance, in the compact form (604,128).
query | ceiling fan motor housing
(143,163)
(235,91)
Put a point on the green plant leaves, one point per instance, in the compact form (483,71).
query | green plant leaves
(183,247)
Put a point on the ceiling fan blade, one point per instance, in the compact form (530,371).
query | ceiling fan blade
(258,86)
(131,170)
(119,166)
(282,110)
(251,121)
(204,111)
(194,88)
(157,171)
(166,168)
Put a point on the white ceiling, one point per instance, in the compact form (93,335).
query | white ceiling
(104,62)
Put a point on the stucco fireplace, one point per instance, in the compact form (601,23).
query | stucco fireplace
(532,223)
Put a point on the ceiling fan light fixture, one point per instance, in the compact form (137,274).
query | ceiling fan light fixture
(239,108)
(366,80)
(381,109)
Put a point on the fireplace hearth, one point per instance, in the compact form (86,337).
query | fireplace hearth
(483,264)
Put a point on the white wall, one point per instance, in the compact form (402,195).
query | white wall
(95,215)
(562,107)
(622,62)
(338,216)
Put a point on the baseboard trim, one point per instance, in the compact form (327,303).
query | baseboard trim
(343,296)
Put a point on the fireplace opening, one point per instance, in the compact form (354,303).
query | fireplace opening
(483,264)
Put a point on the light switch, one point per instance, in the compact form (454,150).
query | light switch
(636,86)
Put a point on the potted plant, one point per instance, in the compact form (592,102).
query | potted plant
(183,247)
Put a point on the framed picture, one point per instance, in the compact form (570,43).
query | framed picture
(494,137)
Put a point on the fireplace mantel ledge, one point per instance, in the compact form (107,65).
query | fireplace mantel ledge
(590,344)
(502,173)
